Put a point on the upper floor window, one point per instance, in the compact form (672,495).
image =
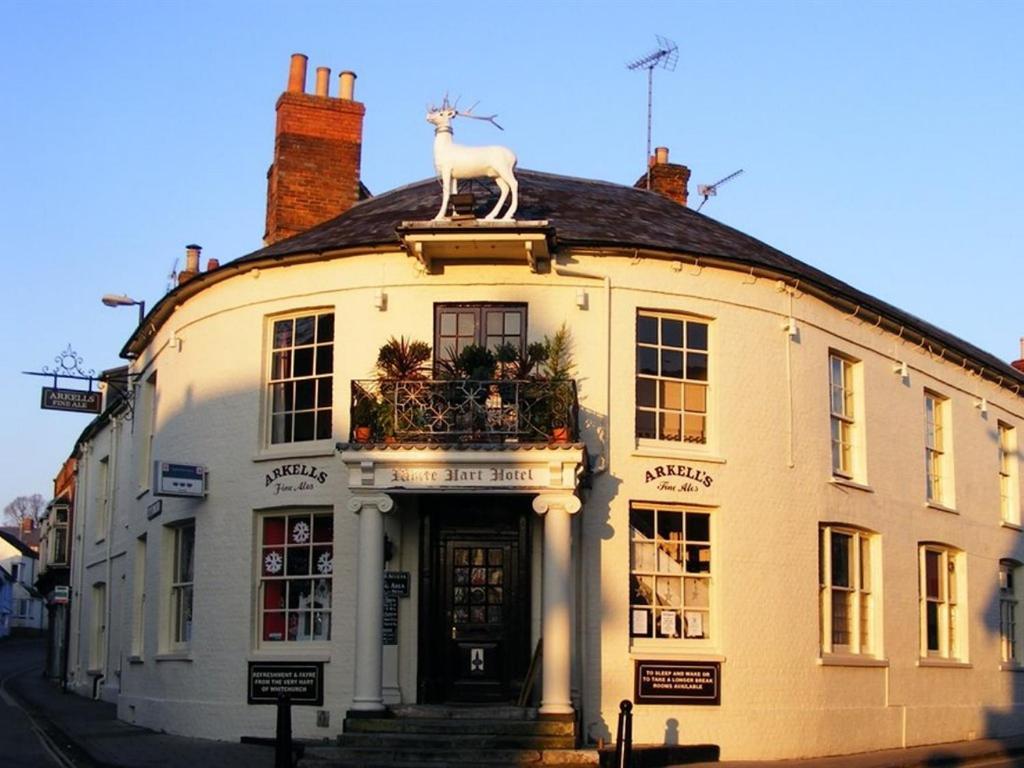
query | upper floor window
(1009,495)
(938,474)
(296,556)
(457,326)
(103,481)
(670,572)
(847,607)
(144,424)
(843,410)
(59,536)
(301,382)
(1009,637)
(942,633)
(671,377)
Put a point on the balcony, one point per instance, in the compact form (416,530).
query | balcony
(464,411)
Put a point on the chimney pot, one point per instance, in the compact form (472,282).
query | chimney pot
(297,73)
(323,77)
(212,264)
(661,155)
(346,85)
(1019,364)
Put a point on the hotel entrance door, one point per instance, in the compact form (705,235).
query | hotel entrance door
(477,590)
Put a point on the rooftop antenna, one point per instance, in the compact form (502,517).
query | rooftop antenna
(710,190)
(172,277)
(665,56)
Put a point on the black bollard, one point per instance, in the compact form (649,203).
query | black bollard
(283,738)
(624,736)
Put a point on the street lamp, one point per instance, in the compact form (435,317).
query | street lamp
(112,300)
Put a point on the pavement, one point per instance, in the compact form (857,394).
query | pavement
(90,734)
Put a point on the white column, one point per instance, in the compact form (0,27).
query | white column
(370,599)
(556,629)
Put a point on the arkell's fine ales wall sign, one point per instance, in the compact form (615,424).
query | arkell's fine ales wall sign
(75,400)
(302,682)
(678,682)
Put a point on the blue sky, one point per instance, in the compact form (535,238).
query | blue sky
(881,143)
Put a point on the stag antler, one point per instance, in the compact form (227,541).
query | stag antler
(489,118)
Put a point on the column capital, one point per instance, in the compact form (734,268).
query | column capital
(567,501)
(381,501)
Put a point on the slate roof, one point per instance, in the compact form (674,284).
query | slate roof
(592,213)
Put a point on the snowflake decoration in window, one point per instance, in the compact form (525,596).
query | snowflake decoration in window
(300,532)
(273,562)
(325,564)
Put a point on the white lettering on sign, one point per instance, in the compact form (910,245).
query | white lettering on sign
(473,476)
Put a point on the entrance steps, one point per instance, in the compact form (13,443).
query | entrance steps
(436,736)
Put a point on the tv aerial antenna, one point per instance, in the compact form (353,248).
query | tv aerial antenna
(710,190)
(666,55)
(172,277)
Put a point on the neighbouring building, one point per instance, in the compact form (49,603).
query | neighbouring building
(54,580)
(26,607)
(780,515)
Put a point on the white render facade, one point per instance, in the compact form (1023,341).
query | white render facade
(820,503)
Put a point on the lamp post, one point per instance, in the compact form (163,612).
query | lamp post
(112,300)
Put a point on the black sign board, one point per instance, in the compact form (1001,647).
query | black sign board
(678,682)
(396,583)
(75,400)
(303,682)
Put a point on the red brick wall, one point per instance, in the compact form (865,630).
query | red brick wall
(315,174)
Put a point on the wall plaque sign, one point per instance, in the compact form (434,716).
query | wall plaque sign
(303,682)
(75,400)
(677,682)
(396,585)
(170,479)
(678,478)
(294,478)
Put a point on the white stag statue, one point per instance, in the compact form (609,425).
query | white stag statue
(455,161)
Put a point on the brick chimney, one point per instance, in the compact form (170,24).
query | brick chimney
(667,179)
(191,263)
(317,148)
(1019,364)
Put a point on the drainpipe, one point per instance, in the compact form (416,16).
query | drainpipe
(115,431)
(602,466)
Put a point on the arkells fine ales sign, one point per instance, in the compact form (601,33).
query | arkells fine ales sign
(302,683)
(678,682)
(76,400)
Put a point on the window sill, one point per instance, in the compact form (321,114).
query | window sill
(291,654)
(844,482)
(940,507)
(174,656)
(1009,666)
(1011,526)
(948,663)
(296,451)
(841,660)
(669,451)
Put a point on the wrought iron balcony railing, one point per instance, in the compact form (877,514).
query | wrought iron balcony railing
(464,411)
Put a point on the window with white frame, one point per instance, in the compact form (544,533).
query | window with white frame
(1008,598)
(671,377)
(144,421)
(296,562)
(59,535)
(139,597)
(847,603)
(102,498)
(301,378)
(938,474)
(670,572)
(1009,494)
(843,409)
(182,584)
(940,589)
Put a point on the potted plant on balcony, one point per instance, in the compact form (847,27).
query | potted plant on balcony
(399,361)
(364,416)
(559,367)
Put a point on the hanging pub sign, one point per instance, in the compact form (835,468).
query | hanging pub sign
(178,479)
(301,682)
(74,400)
(678,682)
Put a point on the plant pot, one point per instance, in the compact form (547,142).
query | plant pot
(362,434)
(559,434)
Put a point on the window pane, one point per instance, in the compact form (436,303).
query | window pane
(694,428)
(447,324)
(672,395)
(323,425)
(513,323)
(641,523)
(467,324)
(303,426)
(495,323)
(931,574)
(647,330)
(695,398)
(698,558)
(303,362)
(698,526)
(324,393)
(645,393)
(669,426)
(282,333)
(647,361)
(697,366)
(840,560)
(696,335)
(696,593)
(670,525)
(932,622)
(672,364)
(325,359)
(645,424)
(671,333)
(304,330)
(325,328)
(305,392)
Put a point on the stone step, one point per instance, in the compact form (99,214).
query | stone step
(475,726)
(465,712)
(353,757)
(462,741)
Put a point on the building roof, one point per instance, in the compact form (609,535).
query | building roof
(17,543)
(590,214)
